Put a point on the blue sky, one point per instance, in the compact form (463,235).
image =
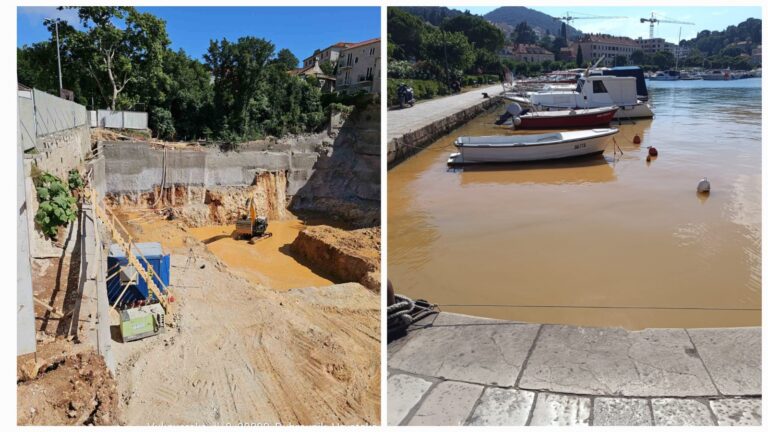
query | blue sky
(300,29)
(705,18)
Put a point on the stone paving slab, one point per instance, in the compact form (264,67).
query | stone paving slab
(615,362)
(403,393)
(732,357)
(448,404)
(502,407)
(737,412)
(402,121)
(561,410)
(621,412)
(681,412)
(476,351)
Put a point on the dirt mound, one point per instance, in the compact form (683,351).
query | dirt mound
(349,256)
(75,390)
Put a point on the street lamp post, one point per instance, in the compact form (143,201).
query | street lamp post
(58,50)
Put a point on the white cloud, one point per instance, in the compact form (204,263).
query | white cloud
(36,14)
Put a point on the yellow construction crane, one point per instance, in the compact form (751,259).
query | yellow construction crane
(568,18)
(653,20)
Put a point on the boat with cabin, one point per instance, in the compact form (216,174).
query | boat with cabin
(593,91)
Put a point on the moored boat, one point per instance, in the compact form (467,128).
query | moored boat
(594,91)
(522,148)
(573,118)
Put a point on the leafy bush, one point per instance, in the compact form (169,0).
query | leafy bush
(57,205)
(422,89)
(74,180)
(470,80)
(162,123)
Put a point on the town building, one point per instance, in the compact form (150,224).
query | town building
(654,45)
(327,83)
(330,54)
(594,46)
(527,53)
(359,67)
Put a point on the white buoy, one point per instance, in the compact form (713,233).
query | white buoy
(703,186)
(516,120)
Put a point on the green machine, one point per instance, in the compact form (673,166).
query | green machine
(141,322)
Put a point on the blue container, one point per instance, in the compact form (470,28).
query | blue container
(138,291)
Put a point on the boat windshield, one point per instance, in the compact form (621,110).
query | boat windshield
(579,85)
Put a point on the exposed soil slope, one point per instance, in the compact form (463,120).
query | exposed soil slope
(350,256)
(74,390)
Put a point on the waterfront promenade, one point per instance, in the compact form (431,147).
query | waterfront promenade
(409,129)
(455,369)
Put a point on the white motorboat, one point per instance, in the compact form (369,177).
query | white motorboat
(522,148)
(669,75)
(595,91)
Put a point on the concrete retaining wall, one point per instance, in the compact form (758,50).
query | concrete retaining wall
(402,147)
(62,151)
(137,167)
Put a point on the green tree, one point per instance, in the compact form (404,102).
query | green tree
(119,48)
(524,34)
(286,59)
(406,32)
(580,57)
(238,71)
(620,60)
(480,33)
(189,95)
(663,59)
(637,57)
(328,68)
(452,50)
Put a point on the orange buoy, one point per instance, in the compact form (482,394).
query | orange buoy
(171,299)
(637,139)
(652,151)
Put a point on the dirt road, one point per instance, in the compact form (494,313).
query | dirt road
(244,353)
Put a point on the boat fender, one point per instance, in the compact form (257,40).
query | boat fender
(516,120)
(572,112)
(652,151)
(648,158)
(637,139)
(703,186)
(514,109)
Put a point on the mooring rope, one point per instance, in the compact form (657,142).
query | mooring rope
(405,312)
(603,307)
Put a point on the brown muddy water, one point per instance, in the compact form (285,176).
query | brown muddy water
(605,241)
(266,261)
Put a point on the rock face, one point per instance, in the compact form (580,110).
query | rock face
(77,390)
(346,183)
(347,256)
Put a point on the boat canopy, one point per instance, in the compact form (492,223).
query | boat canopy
(630,71)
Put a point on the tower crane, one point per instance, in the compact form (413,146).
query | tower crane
(653,20)
(568,18)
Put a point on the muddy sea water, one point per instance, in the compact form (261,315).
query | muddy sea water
(607,241)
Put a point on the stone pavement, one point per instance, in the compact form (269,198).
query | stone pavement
(410,129)
(455,369)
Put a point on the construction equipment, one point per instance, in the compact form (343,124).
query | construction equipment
(653,20)
(251,226)
(568,18)
(132,252)
(141,322)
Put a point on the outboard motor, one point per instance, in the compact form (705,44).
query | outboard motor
(405,95)
(511,115)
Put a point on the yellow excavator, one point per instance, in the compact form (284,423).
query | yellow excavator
(251,226)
